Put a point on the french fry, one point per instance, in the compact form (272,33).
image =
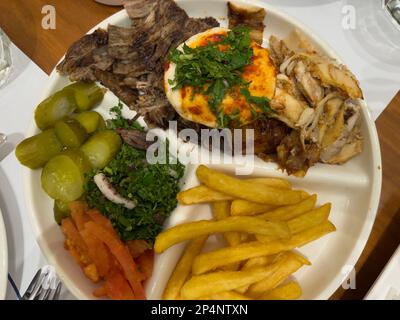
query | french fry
(212,260)
(201,194)
(306,236)
(247,208)
(289,291)
(243,189)
(255,263)
(204,194)
(183,268)
(271,182)
(222,281)
(186,231)
(291,211)
(221,210)
(310,219)
(227,295)
(305,221)
(287,266)
(244,237)
(258,262)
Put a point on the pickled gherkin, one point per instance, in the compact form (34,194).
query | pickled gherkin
(70,133)
(91,121)
(87,95)
(35,151)
(61,211)
(56,107)
(101,148)
(63,177)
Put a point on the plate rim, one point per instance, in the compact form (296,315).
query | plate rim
(3,258)
(376,177)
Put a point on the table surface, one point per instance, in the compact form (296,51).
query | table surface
(22,20)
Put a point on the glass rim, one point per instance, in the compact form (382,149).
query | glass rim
(388,11)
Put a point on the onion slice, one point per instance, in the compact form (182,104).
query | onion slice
(110,193)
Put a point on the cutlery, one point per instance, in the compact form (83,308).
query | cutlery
(45,285)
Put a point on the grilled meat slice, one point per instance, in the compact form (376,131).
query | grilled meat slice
(85,55)
(135,138)
(250,16)
(346,134)
(296,158)
(129,60)
(268,135)
(194,26)
(288,103)
(138,10)
(113,82)
(119,43)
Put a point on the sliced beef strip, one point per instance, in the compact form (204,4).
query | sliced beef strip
(113,82)
(119,42)
(138,10)
(135,138)
(129,61)
(194,26)
(85,54)
(161,29)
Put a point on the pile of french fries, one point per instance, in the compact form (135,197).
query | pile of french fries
(263,221)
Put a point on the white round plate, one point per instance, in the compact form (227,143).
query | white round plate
(353,189)
(3,259)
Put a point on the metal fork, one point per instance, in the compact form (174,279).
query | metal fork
(45,285)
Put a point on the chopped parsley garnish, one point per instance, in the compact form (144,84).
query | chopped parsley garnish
(119,122)
(153,186)
(215,72)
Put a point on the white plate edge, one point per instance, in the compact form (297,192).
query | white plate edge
(3,258)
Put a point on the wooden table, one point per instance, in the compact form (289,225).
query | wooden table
(22,21)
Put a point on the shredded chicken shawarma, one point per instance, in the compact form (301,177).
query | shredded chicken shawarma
(321,100)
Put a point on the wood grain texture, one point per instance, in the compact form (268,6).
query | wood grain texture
(21,20)
(385,236)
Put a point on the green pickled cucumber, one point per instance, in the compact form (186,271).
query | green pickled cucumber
(63,177)
(87,95)
(70,133)
(35,151)
(56,107)
(101,148)
(91,121)
(61,211)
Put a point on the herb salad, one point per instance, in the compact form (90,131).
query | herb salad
(152,186)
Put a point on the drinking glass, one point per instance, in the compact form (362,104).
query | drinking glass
(5,58)
(377,29)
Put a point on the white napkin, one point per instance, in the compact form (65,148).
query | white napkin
(387,286)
